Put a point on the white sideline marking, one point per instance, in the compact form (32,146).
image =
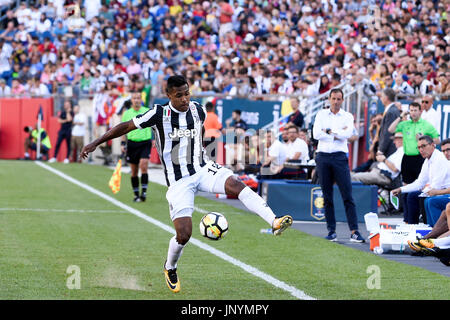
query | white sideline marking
(252,270)
(61,210)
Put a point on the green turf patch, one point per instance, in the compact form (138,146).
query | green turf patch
(120,256)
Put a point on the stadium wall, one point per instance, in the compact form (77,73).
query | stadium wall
(15,114)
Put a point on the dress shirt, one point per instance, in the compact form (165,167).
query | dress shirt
(341,125)
(435,174)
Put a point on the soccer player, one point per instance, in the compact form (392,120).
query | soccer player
(177,126)
(138,145)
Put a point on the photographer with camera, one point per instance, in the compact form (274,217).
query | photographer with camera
(31,141)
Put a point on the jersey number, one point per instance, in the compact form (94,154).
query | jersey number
(215,166)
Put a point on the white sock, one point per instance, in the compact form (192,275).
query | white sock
(27,155)
(174,253)
(443,243)
(256,204)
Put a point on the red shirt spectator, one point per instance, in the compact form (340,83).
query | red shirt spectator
(226,12)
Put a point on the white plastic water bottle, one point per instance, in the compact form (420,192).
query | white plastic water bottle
(372,223)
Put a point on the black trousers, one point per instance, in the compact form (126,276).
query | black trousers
(411,166)
(333,167)
(63,135)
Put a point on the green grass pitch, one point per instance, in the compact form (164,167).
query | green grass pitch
(48,224)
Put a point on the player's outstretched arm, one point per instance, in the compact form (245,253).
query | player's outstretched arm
(117,131)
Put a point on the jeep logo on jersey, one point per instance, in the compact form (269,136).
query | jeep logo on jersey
(180,133)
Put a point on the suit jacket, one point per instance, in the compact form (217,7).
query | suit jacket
(386,144)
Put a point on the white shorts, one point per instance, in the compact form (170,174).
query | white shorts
(180,195)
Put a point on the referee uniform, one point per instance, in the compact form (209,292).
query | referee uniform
(139,144)
(412,160)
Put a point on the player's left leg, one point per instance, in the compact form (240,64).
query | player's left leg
(135,181)
(183,227)
(143,166)
(256,204)
(180,197)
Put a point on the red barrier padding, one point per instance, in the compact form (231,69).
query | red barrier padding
(11,129)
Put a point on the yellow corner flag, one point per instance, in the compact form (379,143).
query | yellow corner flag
(114,182)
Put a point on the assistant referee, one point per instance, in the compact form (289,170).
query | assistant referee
(138,144)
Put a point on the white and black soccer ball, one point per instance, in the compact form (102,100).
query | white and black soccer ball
(213,226)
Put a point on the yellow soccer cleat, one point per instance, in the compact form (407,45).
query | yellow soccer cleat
(281,224)
(427,243)
(172,279)
(414,245)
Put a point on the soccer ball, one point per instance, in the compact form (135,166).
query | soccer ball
(213,226)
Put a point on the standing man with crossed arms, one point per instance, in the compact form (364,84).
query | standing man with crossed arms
(332,128)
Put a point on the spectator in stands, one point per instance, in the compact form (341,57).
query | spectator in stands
(65,118)
(422,86)
(401,85)
(385,170)
(412,129)
(443,86)
(332,128)
(435,175)
(17,89)
(325,84)
(429,113)
(9,18)
(386,145)
(296,117)
(5,90)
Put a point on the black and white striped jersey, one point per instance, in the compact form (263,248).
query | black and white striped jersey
(178,138)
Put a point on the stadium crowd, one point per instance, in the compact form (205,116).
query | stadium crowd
(105,48)
(232,47)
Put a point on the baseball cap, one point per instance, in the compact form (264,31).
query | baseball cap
(397,135)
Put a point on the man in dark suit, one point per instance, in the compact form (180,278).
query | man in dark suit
(386,145)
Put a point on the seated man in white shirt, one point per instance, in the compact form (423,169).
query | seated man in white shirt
(386,169)
(275,157)
(296,148)
(435,174)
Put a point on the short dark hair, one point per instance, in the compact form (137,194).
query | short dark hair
(426,138)
(415,104)
(237,111)
(390,94)
(445,141)
(335,90)
(209,106)
(176,81)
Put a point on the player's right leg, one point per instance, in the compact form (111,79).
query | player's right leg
(256,204)
(218,179)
